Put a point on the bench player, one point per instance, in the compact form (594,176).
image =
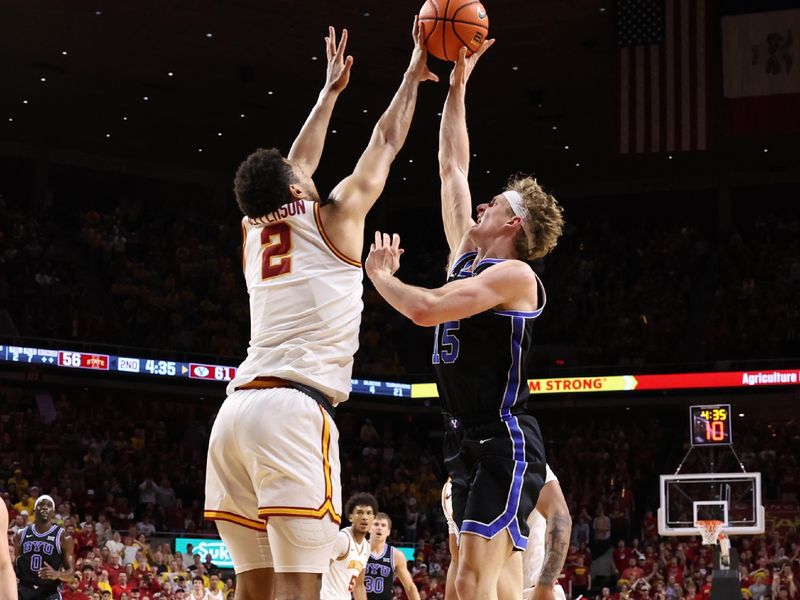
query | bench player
(273,450)
(484,318)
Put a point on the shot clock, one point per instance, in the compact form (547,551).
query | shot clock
(710,425)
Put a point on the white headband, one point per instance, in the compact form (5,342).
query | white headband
(518,207)
(41,499)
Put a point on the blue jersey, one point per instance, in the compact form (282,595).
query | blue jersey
(35,550)
(379,575)
(481,361)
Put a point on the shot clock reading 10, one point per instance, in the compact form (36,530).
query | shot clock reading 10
(710,425)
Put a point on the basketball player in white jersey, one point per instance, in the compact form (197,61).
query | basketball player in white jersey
(351,552)
(541,563)
(273,451)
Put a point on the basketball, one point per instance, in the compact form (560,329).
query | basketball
(449,25)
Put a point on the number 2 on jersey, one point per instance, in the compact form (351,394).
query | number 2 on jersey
(276,244)
(449,345)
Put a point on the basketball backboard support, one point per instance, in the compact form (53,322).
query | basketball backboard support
(733,498)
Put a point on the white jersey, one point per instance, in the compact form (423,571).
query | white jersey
(339,581)
(305,302)
(533,557)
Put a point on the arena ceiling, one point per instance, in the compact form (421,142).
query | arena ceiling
(199,84)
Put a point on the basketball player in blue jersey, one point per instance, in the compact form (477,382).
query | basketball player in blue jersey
(8,582)
(44,555)
(273,474)
(484,319)
(385,564)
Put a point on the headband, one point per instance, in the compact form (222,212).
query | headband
(41,499)
(518,207)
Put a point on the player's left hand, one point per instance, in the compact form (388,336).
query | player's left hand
(384,255)
(338,74)
(47,572)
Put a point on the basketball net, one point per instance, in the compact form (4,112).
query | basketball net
(711,532)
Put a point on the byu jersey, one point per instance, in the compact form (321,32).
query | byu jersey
(379,577)
(36,549)
(533,558)
(305,302)
(481,361)
(339,581)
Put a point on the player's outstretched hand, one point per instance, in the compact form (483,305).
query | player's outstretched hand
(419,58)
(384,255)
(338,74)
(463,65)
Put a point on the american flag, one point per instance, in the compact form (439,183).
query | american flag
(663,75)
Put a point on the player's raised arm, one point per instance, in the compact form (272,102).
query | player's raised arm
(358,192)
(454,151)
(307,148)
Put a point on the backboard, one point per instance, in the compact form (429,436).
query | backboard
(733,498)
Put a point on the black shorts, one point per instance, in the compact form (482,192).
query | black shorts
(497,472)
(29,592)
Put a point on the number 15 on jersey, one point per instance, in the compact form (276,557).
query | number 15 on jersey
(446,350)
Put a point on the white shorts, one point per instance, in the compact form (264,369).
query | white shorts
(273,456)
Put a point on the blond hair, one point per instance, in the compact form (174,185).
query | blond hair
(546,218)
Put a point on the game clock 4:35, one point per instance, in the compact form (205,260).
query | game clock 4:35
(710,425)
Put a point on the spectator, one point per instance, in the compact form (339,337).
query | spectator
(122,586)
(115,545)
(199,592)
(601,526)
(72,591)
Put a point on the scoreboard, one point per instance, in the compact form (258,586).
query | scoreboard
(718,422)
(93,361)
(710,425)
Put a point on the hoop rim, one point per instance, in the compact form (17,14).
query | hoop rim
(710,530)
(709,524)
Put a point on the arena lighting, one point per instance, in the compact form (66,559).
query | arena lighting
(72,359)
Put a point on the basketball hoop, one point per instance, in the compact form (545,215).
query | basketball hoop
(710,530)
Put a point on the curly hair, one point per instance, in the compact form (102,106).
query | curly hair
(546,218)
(262,183)
(361,499)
